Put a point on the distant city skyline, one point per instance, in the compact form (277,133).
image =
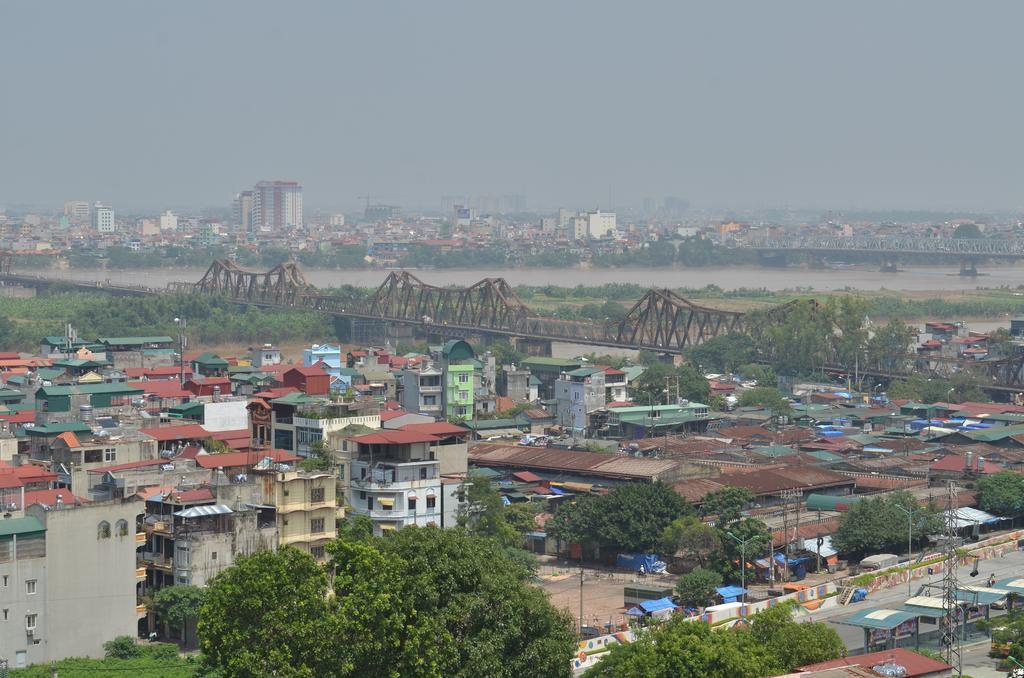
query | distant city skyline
(877,105)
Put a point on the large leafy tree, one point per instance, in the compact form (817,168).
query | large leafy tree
(888,346)
(690,539)
(631,517)
(650,387)
(751,542)
(793,644)
(773,643)
(178,605)
(798,341)
(269,614)
(725,353)
(696,588)
(423,602)
(767,397)
(1002,493)
(880,525)
(480,607)
(726,504)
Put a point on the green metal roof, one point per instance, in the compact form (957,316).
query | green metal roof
(79,362)
(823,455)
(11,394)
(584,371)
(988,435)
(879,618)
(57,429)
(134,341)
(21,526)
(212,360)
(296,398)
(48,373)
(534,381)
(457,349)
(550,362)
(124,389)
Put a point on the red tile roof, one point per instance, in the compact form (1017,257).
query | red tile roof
(127,466)
(23,417)
(955,462)
(161,388)
(180,432)
(313,371)
(437,428)
(527,477)
(70,439)
(395,437)
(388,415)
(233,459)
(192,496)
(165,373)
(49,497)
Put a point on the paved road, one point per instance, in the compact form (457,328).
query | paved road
(1010,565)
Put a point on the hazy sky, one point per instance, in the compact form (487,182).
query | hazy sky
(909,104)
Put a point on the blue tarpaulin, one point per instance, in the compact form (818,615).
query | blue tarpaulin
(659,605)
(640,562)
(730,593)
(859,595)
(635,612)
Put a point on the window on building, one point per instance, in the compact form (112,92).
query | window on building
(463,378)
(362,495)
(463,394)
(30,621)
(341,472)
(429,401)
(109,455)
(5,580)
(423,473)
(121,528)
(412,503)
(103,530)
(316,525)
(431,502)
(316,494)
(369,503)
(93,456)
(317,552)
(30,586)
(7,614)
(213,555)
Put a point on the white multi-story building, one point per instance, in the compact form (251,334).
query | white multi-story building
(103,218)
(600,224)
(276,205)
(77,212)
(168,221)
(406,477)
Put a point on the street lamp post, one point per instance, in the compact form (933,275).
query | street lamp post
(743,561)
(910,553)
(182,326)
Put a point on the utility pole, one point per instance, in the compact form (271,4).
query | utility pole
(951,637)
(182,326)
(581,590)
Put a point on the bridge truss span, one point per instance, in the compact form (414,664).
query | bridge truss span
(958,247)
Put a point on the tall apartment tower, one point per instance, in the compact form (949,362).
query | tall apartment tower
(242,210)
(77,212)
(276,205)
(103,218)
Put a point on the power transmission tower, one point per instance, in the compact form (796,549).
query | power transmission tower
(951,637)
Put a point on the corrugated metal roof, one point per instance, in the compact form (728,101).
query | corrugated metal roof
(200,511)
(590,463)
(13,526)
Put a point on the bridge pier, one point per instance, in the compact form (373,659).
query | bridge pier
(540,348)
(772,259)
(968,267)
(889,264)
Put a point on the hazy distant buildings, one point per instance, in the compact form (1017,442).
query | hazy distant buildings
(276,205)
(242,210)
(102,218)
(592,225)
(485,204)
(77,212)
(168,221)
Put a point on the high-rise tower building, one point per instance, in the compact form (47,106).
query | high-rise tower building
(276,205)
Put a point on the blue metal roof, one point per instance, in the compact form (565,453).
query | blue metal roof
(657,605)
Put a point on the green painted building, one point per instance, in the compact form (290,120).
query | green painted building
(458,369)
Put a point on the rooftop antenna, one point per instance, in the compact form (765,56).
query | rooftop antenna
(951,638)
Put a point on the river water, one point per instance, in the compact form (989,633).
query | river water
(916,279)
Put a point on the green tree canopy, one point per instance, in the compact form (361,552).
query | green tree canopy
(957,389)
(967,231)
(176,605)
(651,385)
(422,602)
(727,504)
(631,517)
(880,525)
(689,539)
(725,353)
(767,397)
(1002,493)
(697,587)
(772,644)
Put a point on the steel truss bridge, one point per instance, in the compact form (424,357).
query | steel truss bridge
(896,245)
(660,321)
